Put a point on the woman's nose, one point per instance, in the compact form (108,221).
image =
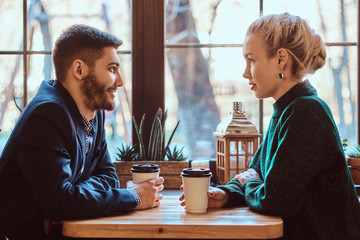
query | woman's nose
(246,73)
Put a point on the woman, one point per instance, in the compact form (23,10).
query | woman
(299,172)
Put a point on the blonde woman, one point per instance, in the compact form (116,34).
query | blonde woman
(299,172)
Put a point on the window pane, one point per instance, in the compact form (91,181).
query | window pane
(112,16)
(205,21)
(336,83)
(11,86)
(40,68)
(200,92)
(201,84)
(324,16)
(11,12)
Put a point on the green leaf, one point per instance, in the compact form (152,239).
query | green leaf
(126,153)
(139,133)
(176,154)
(156,145)
(169,141)
(155,150)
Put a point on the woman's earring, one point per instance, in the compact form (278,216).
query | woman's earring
(281,75)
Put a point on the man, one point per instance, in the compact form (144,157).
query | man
(56,165)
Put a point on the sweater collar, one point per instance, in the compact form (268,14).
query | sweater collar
(299,90)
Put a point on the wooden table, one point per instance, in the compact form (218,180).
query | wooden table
(170,221)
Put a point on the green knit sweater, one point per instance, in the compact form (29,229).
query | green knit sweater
(304,175)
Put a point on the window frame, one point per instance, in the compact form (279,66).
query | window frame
(148,60)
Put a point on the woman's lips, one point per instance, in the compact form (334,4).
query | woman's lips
(252,85)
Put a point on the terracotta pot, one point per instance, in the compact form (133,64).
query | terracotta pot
(355,162)
(170,171)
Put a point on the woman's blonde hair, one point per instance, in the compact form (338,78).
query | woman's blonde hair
(306,48)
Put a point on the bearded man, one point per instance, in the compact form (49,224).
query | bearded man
(56,165)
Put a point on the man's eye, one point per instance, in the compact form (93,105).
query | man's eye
(113,69)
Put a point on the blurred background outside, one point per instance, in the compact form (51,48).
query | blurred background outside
(203,55)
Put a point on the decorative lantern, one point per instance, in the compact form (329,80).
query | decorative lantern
(237,140)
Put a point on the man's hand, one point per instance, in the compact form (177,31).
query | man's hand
(217,197)
(244,176)
(148,192)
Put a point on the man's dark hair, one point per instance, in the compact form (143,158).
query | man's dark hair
(80,42)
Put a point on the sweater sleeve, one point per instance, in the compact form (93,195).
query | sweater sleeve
(304,136)
(236,194)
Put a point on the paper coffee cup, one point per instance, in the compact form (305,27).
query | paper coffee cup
(196,182)
(142,172)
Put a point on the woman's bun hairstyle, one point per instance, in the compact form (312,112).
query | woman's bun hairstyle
(305,47)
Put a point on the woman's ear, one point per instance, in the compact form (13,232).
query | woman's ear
(79,69)
(283,57)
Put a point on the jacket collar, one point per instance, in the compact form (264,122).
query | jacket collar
(75,114)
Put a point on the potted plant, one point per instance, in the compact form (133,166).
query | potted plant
(155,150)
(175,155)
(127,153)
(171,162)
(353,160)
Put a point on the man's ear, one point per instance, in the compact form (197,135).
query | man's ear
(79,69)
(283,57)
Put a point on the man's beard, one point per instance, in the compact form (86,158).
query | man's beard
(96,96)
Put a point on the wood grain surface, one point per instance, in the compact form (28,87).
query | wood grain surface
(170,221)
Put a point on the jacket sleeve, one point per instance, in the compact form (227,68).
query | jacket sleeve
(47,142)
(306,137)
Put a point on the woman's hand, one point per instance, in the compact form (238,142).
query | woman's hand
(249,174)
(217,197)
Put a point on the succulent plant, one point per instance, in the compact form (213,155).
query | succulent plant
(354,151)
(127,153)
(351,151)
(176,154)
(155,150)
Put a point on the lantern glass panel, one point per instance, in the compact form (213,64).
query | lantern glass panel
(241,147)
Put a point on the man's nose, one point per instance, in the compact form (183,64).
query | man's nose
(119,80)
